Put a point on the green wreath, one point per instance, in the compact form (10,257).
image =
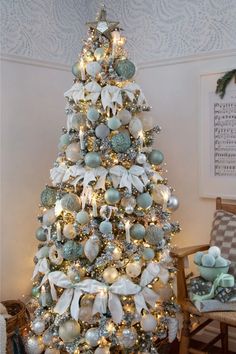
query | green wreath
(223,82)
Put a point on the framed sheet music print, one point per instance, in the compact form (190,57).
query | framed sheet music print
(217,143)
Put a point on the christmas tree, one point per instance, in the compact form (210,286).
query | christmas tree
(103,277)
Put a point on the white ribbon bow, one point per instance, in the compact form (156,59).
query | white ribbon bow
(126,178)
(88,174)
(41,267)
(76,92)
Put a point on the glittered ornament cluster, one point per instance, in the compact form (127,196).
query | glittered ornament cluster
(103,277)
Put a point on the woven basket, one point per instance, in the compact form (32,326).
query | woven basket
(19,321)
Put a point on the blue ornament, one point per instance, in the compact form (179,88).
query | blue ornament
(154,235)
(120,142)
(125,68)
(144,200)
(105,227)
(72,250)
(114,123)
(112,196)
(70,202)
(41,234)
(208,260)
(76,70)
(35,291)
(64,142)
(92,159)
(221,262)
(148,253)
(82,217)
(92,114)
(137,231)
(214,251)
(156,157)
(48,197)
(198,258)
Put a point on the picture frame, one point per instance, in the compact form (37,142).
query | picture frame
(217,138)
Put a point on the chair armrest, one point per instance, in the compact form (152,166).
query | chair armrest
(186,251)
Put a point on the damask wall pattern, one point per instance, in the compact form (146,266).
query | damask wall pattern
(52,30)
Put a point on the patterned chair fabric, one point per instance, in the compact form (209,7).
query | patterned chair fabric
(223,235)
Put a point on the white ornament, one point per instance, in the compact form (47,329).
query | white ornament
(141,158)
(214,251)
(135,127)
(116,254)
(161,194)
(93,68)
(38,326)
(69,231)
(110,275)
(55,255)
(49,217)
(148,323)
(133,269)
(91,248)
(173,325)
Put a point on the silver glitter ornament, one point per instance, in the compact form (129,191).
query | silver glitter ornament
(34,345)
(92,337)
(173,203)
(127,337)
(141,158)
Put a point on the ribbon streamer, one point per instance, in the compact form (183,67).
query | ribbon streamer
(126,178)
(41,267)
(90,174)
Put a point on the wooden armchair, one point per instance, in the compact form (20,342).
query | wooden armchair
(224,318)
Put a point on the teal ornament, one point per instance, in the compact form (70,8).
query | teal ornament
(105,227)
(72,250)
(155,157)
(221,262)
(208,260)
(214,251)
(46,299)
(35,291)
(125,68)
(41,234)
(120,142)
(198,258)
(102,131)
(70,202)
(144,200)
(64,142)
(137,231)
(48,197)
(99,53)
(153,235)
(82,217)
(76,70)
(92,159)
(148,253)
(92,114)
(112,196)
(114,123)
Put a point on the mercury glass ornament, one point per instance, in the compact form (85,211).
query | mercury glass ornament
(153,235)
(173,203)
(72,250)
(148,323)
(92,114)
(34,345)
(114,123)
(141,158)
(160,193)
(112,196)
(102,131)
(49,217)
(76,70)
(70,202)
(110,275)
(52,351)
(102,350)
(127,337)
(120,142)
(41,234)
(137,231)
(125,68)
(156,157)
(99,53)
(93,68)
(73,152)
(69,231)
(48,197)
(38,326)
(105,227)
(92,337)
(82,217)
(69,331)
(144,200)
(124,116)
(133,269)
(92,159)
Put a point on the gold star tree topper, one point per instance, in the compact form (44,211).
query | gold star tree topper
(102,25)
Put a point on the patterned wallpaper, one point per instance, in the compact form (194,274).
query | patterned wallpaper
(52,30)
